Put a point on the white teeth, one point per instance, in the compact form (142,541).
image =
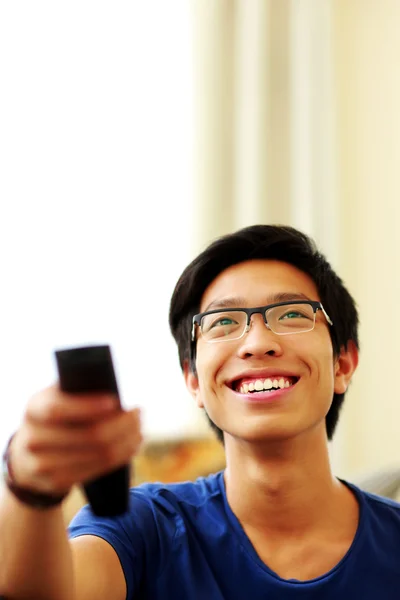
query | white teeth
(267,384)
(259,385)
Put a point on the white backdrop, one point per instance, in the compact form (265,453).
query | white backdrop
(95,195)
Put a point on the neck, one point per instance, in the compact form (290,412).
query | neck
(284,487)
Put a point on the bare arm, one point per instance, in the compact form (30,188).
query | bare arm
(85,568)
(35,555)
(98,572)
(62,442)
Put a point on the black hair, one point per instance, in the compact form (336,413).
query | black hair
(274,242)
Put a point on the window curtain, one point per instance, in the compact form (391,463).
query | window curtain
(297,122)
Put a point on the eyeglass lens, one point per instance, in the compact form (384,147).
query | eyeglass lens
(230,324)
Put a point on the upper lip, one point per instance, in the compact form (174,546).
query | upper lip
(266,373)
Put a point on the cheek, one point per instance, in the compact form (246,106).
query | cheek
(317,354)
(325,368)
(325,357)
(211,359)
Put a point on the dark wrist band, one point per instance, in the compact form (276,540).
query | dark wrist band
(24,495)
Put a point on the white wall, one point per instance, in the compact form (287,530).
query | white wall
(95,195)
(304,127)
(367,47)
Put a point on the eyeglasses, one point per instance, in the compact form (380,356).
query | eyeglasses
(283,318)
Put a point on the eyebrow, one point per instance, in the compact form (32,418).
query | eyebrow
(239,301)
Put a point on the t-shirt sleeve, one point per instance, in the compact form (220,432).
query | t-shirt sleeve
(141,537)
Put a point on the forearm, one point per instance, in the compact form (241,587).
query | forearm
(35,555)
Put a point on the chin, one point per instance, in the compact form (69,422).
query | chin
(257,435)
(280,431)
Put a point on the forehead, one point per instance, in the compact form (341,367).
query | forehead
(257,281)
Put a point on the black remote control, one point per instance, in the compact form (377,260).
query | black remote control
(90,369)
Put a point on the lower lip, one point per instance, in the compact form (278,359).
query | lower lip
(265,397)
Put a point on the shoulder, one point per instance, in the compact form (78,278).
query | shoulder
(379,506)
(157,514)
(377,499)
(151,504)
(188,492)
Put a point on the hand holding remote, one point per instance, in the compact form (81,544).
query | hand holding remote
(90,369)
(74,437)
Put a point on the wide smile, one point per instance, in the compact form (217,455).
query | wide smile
(260,389)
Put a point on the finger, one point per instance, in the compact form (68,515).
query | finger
(124,455)
(57,407)
(38,438)
(119,425)
(58,472)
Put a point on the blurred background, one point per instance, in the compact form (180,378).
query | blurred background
(134,133)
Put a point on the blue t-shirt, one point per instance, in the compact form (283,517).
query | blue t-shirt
(183,542)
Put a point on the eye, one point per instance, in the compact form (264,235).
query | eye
(223,322)
(294,314)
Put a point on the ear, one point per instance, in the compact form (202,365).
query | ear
(345,365)
(192,383)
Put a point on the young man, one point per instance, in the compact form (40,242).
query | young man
(267,339)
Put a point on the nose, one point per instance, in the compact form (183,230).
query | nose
(260,340)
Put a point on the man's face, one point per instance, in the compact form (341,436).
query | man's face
(304,361)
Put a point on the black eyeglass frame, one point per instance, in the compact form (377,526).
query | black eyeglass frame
(315,305)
